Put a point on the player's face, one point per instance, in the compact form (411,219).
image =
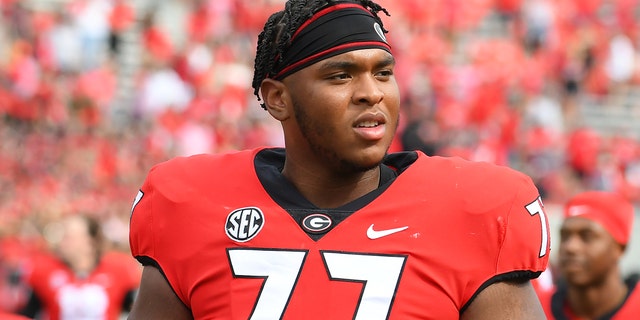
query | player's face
(587,252)
(76,247)
(346,107)
(75,239)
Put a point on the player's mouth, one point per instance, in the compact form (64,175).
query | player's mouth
(572,265)
(371,127)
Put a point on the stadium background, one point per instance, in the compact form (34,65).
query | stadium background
(94,92)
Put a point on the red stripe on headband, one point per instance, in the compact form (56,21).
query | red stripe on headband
(333,49)
(325,11)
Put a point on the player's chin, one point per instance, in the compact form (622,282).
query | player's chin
(371,157)
(572,265)
(576,277)
(579,281)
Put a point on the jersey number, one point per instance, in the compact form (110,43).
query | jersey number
(280,269)
(536,208)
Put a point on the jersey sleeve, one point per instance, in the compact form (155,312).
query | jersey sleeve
(156,220)
(504,207)
(156,214)
(162,223)
(526,242)
(141,231)
(509,213)
(153,237)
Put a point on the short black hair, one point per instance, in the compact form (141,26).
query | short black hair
(275,37)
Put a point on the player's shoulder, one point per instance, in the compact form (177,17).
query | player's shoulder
(118,259)
(201,163)
(41,265)
(473,172)
(45,259)
(121,264)
(200,168)
(180,178)
(478,187)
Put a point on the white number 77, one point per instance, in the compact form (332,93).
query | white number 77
(380,275)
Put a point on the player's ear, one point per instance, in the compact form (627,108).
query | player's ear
(275,96)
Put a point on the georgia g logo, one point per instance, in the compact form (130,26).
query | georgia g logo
(244,224)
(316,223)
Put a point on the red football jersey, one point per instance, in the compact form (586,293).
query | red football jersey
(237,241)
(555,305)
(99,295)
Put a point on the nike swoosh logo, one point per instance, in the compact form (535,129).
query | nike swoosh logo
(373,234)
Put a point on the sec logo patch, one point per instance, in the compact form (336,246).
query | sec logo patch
(244,224)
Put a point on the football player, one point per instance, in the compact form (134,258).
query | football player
(81,280)
(332,226)
(593,236)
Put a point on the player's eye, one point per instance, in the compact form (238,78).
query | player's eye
(340,76)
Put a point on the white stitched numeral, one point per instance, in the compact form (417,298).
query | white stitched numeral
(536,208)
(379,273)
(280,269)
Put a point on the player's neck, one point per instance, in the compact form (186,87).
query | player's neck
(82,267)
(596,301)
(327,190)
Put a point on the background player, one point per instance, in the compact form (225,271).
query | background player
(593,238)
(81,280)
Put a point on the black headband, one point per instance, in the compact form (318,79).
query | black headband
(331,31)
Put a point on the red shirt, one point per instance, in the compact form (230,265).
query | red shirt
(237,241)
(555,305)
(99,295)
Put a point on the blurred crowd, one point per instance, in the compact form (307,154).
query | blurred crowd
(94,92)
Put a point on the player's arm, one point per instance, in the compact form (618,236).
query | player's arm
(523,252)
(156,299)
(506,300)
